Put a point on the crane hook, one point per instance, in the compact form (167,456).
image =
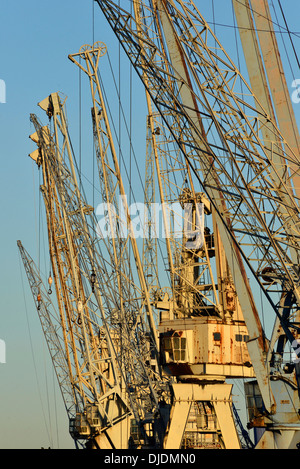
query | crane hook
(50,281)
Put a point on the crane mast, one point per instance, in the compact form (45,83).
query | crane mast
(100,402)
(52,329)
(191,298)
(195,297)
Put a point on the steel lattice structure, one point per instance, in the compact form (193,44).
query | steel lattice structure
(103,317)
(249,183)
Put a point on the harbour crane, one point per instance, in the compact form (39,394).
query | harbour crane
(112,328)
(144,362)
(91,352)
(52,328)
(246,168)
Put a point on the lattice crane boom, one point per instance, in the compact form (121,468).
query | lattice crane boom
(263,182)
(52,330)
(96,377)
(85,260)
(109,167)
(113,192)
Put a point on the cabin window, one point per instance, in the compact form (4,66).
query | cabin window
(241,338)
(176,347)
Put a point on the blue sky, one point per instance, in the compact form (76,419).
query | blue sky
(35,40)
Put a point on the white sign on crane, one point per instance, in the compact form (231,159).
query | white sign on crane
(2,351)
(2,92)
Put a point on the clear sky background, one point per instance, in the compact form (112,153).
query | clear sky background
(36,37)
